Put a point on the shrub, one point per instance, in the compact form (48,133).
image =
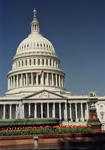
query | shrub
(44,130)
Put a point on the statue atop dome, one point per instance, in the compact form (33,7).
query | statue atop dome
(34,11)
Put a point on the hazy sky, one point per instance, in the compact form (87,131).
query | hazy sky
(76,28)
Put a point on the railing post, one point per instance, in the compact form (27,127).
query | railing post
(36,142)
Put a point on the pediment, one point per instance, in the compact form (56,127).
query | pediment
(44,95)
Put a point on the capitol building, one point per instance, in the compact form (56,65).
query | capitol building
(36,85)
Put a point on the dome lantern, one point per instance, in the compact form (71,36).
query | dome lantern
(35,24)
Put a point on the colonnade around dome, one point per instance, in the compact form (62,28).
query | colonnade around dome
(33,79)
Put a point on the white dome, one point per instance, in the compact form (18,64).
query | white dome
(35,42)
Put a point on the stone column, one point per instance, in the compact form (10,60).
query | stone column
(35,110)
(21,80)
(41,110)
(26,79)
(37,78)
(47,78)
(16,112)
(60,112)
(87,111)
(47,110)
(59,81)
(76,112)
(29,110)
(65,111)
(42,79)
(82,119)
(10,111)
(53,110)
(70,106)
(13,81)
(4,111)
(56,79)
(17,80)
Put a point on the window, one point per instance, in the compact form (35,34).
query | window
(26,62)
(53,62)
(46,61)
(38,61)
(101,106)
(102,116)
(19,63)
(22,62)
(30,62)
(50,62)
(42,61)
(34,61)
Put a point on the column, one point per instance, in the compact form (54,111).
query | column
(87,107)
(56,79)
(10,111)
(82,112)
(35,110)
(59,81)
(65,111)
(47,78)
(47,110)
(37,78)
(17,81)
(41,110)
(32,83)
(16,112)
(62,81)
(26,79)
(13,81)
(21,84)
(76,112)
(8,83)
(4,111)
(29,110)
(70,106)
(53,115)
(60,112)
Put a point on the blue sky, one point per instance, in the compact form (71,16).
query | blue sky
(76,28)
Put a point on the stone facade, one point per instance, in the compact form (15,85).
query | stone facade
(36,85)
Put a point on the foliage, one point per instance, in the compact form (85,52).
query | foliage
(29,122)
(44,130)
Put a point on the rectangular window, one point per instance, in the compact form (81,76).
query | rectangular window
(38,61)
(42,61)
